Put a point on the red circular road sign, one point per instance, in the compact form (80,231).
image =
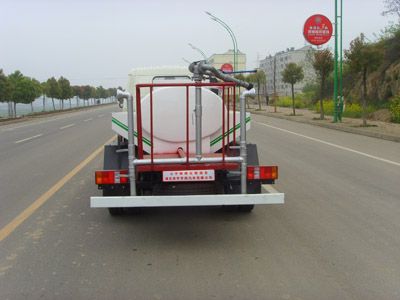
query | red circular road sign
(227,68)
(318,30)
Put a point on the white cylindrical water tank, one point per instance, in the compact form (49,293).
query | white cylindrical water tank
(169,113)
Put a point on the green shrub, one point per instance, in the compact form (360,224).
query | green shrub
(394,108)
(352,110)
(287,102)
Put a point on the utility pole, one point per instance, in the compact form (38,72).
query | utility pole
(275,83)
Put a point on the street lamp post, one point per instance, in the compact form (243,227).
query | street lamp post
(198,50)
(235,48)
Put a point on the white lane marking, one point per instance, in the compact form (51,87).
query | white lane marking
(334,145)
(35,122)
(29,138)
(87,120)
(67,126)
(101,116)
(51,119)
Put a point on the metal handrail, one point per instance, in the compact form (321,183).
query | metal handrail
(193,160)
(226,86)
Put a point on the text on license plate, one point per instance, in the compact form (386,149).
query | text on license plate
(191,175)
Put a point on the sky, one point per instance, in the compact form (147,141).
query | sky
(97,42)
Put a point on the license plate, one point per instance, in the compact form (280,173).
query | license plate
(192,175)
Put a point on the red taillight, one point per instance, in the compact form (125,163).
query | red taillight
(262,172)
(111,177)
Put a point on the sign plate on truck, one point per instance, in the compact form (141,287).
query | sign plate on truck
(191,175)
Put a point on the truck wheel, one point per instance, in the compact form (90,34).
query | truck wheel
(245,208)
(116,211)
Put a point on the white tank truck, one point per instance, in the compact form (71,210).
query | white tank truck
(182,142)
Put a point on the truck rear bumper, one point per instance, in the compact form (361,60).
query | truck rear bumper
(270,196)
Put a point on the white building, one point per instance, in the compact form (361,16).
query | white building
(273,67)
(217,60)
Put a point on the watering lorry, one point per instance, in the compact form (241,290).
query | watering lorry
(181,141)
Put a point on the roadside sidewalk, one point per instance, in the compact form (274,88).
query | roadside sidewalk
(376,129)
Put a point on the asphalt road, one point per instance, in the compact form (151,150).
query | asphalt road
(34,155)
(335,238)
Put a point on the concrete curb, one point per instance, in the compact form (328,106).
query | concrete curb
(377,135)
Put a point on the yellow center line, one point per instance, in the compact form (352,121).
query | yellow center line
(18,220)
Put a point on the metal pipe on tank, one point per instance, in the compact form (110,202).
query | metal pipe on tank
(200,68)
(194,160)
(197,77)
(131,142)
(243,144)
(198,112)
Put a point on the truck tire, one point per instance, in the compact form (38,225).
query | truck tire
(114,211)
(245,208)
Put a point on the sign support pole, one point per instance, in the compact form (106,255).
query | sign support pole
(338,66)
(341,63)
(335,69)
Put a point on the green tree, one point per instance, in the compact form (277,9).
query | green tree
(76,91)
(23,89)
(363,58)
(44,94)
(53,89)
(34,91)
(101,93)
(392,7)
(92,93)
(85,93)
(65,90)
(390,41)
(322,63)
(292,74)
(111,92)
(261,80)
(311,91)
(15,87)
(5,90)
